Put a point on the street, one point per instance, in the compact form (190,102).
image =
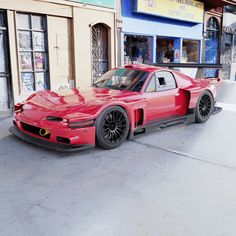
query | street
(177,181)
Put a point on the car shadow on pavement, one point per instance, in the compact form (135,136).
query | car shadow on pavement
(13,146)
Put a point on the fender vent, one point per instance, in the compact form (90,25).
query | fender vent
(138,117)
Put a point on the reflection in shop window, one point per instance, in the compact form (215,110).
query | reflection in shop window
(138,49)
(32,52)
(165,50)
(190,51)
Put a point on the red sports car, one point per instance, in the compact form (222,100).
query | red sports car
(123,102)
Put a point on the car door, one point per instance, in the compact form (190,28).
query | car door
(161,94)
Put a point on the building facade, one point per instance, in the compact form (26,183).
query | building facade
(53,44)
(159,31)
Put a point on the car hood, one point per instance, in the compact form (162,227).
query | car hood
(70,103)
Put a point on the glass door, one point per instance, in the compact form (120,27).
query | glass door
(5,91)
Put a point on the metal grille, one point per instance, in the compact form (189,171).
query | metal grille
(34,130)
(99,51)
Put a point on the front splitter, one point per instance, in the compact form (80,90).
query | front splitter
(216,110)
(46,144)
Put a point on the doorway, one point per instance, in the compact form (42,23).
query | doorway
(60,53)
(100,51)
(5,79)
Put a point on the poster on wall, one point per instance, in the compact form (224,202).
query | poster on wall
(24,40)
(25,61)
(39,59)
(38,41)
(39,81)
(27,82)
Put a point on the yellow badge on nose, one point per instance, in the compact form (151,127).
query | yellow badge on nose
(43,132)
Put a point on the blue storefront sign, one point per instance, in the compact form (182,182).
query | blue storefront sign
(103,3)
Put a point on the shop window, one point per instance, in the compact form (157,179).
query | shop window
(165,50)
(190,51)
(138,49)
(33,55)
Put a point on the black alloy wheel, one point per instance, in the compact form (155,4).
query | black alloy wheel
(204,107)
(112,127)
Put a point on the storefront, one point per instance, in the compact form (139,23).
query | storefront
(162,31)
(219,37)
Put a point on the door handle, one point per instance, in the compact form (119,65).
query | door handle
(177,94)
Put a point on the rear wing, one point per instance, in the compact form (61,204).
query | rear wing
(207,71)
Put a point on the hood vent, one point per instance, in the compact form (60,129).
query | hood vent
(54,118)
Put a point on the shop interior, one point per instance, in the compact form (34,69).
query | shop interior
(190,51)
(165,50)
(138,49)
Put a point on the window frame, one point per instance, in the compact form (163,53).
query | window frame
(164,88)
(33,71)
(184,40)
(153,77)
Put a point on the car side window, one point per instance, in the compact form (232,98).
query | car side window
(152,85)
(165,80)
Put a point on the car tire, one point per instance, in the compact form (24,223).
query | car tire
(112,127)
(204,107)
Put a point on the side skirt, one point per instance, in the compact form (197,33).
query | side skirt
(189,118)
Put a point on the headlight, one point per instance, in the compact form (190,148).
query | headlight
(19,107)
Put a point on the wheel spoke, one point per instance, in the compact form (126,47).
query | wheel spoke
(205,105)
(114,127)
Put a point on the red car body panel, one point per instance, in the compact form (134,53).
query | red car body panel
(79,110)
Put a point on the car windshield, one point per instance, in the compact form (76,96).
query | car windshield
(123,79)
